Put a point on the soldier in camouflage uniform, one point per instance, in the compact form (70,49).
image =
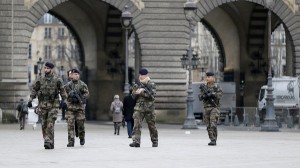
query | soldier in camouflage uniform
(47,90)
(210,94)
(144,92)
(77,92)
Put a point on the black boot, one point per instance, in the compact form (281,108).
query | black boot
(71,143)
(134,144)
(155,144)
(48,145)
(82,141)
(115,126)
(212,143)
(118,129)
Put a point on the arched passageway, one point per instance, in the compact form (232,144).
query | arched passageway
(97,27)
(242,29)
(163,35)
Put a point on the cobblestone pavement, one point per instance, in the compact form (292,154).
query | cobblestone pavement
(178,148)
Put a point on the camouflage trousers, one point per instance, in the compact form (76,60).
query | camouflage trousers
(138,117)
(77,116)
(211,117)
(48,120)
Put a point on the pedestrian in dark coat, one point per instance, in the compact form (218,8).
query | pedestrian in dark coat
(128,106)
(21,114)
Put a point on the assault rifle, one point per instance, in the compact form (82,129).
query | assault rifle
(74,94)
(147,90)
(207,94)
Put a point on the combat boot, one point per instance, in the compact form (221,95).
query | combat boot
(70,144)
(155,144)
(134,144)
(82,141)
(52,146)
(48,145)
(212,143)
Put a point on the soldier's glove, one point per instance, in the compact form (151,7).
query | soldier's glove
(29,104)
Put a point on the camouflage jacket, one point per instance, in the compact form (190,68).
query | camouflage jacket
(47,90)
(211,102)
(144,97)
(81,89)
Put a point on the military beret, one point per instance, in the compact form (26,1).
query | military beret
(74,70)
(49,64)
(143,71)
(210,74)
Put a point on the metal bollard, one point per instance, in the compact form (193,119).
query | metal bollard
(226,120)
(257,120)
(290,123)
(236,121)
(246,120)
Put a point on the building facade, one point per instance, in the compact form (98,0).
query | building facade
(52,41)
(161,38)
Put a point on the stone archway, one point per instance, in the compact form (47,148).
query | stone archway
(282,9)
(88,20)
(237,27)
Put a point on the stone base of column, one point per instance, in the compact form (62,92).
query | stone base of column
(270,126)
(190,123)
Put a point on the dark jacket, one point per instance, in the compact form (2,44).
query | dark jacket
(19,108)
(128,106)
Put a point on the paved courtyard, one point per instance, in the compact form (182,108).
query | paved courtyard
(178,148)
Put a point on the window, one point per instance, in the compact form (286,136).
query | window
(282,37)
(204,60)
(47,51)
(273,38)
(283,53)
(29,52)
(29,74)
(273,52)
(61,32)
(74,50)
(284,69)
(48,18)
(47,33)
(61,49)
